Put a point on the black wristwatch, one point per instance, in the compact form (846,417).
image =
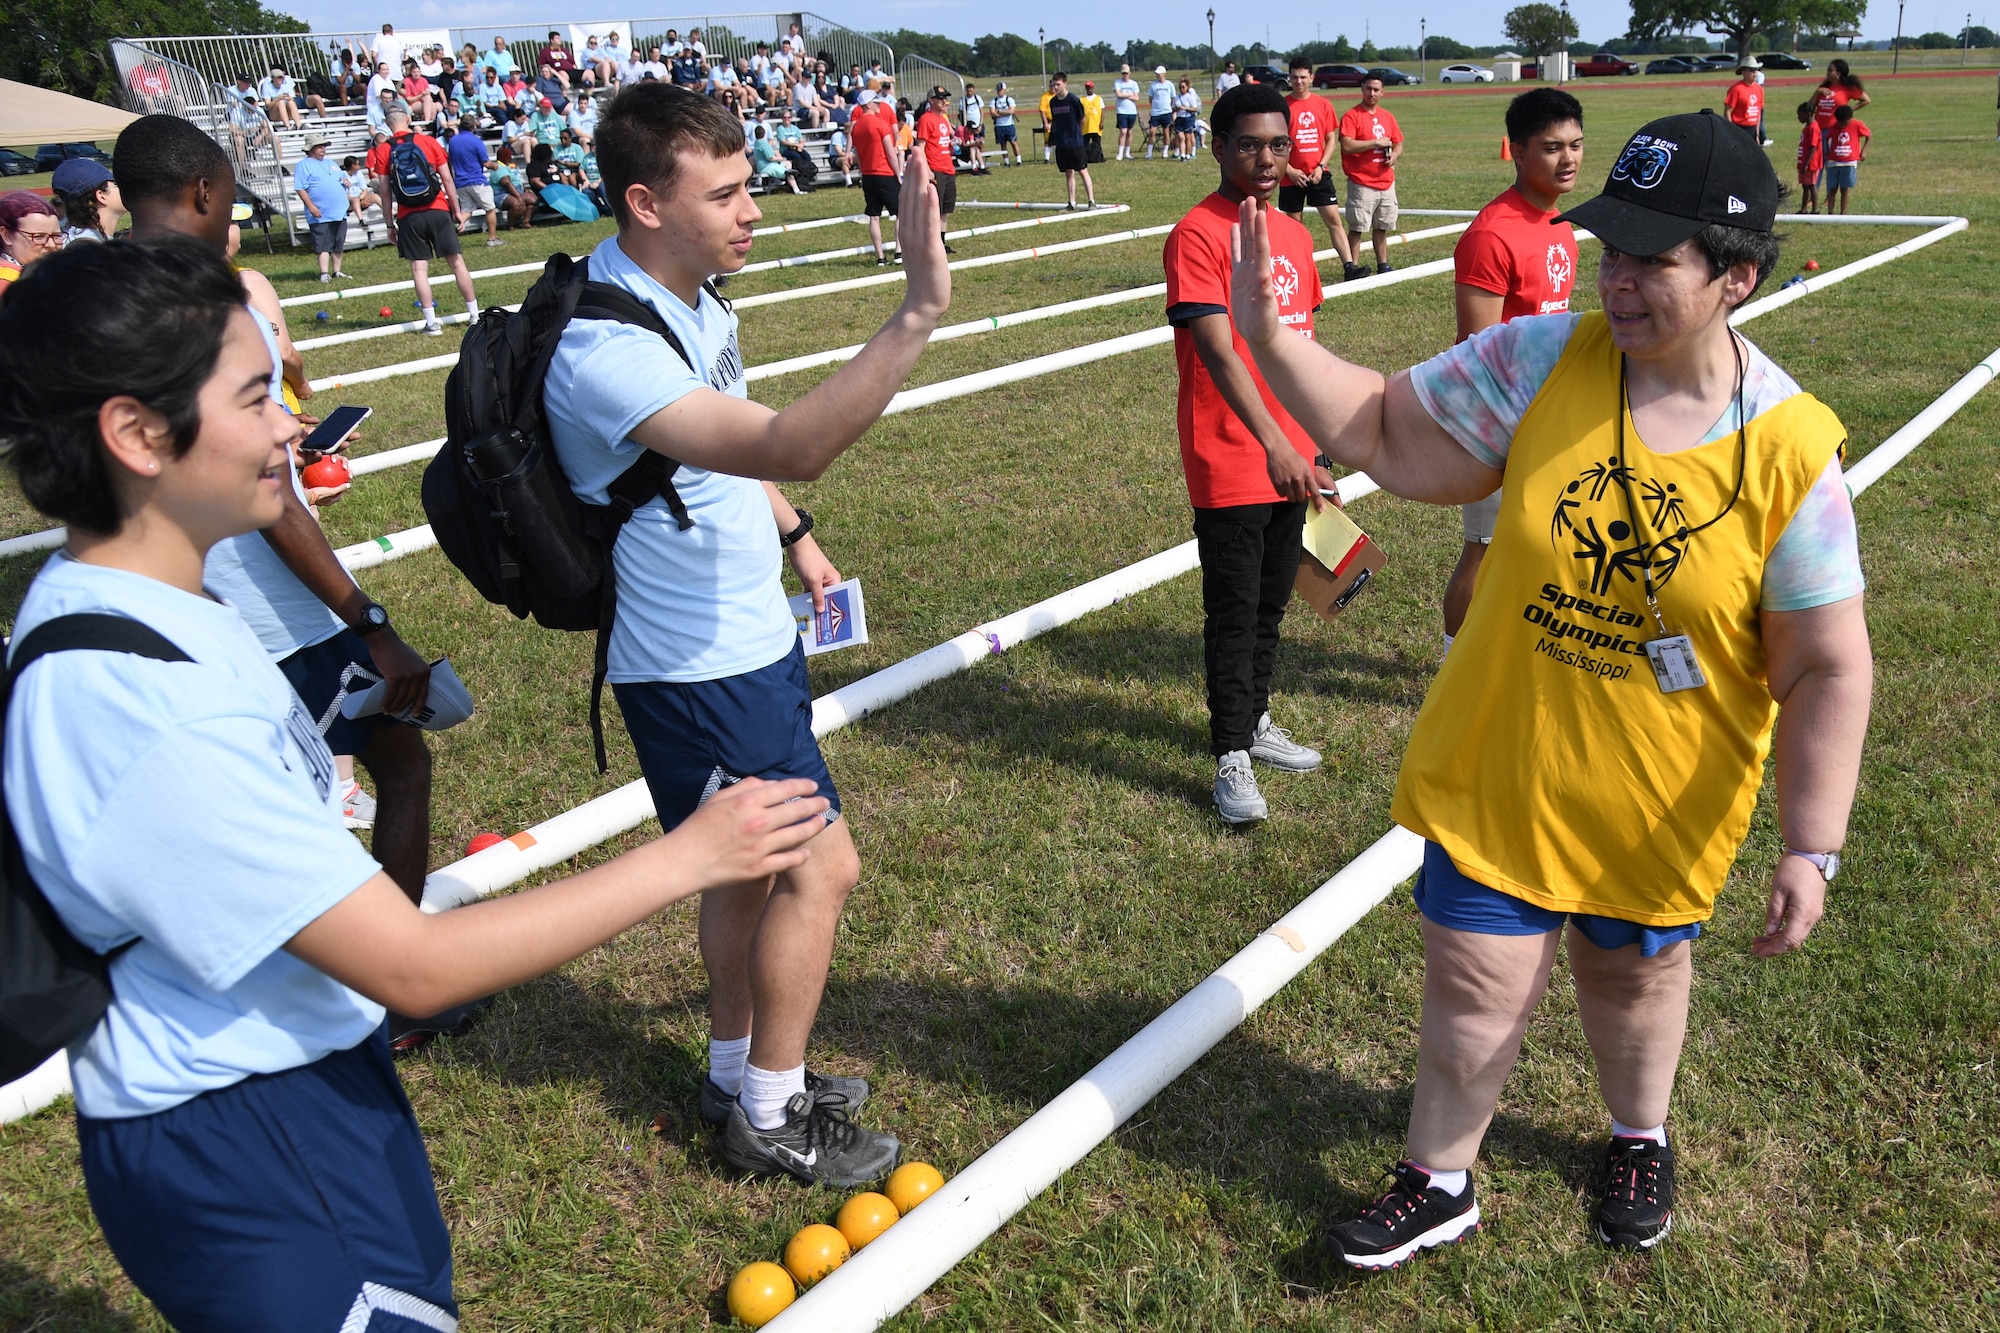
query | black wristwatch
(805,526)
(373,616)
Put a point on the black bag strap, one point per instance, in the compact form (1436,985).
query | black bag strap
(84,630)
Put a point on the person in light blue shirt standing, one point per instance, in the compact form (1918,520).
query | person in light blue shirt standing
(1161,92)
(1006,135)
(247,1148)
(322,192)
(705,658)
(1126,92)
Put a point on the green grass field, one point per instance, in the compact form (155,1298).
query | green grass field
(1042,873)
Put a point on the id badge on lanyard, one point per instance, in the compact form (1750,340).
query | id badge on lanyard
(1675,665)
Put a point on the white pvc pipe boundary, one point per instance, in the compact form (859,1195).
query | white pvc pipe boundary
(902,1263)
(981,203)
(822,256)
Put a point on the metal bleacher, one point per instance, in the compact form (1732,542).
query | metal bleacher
(193,77)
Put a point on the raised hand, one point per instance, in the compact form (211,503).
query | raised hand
(920,236)
(1253,306)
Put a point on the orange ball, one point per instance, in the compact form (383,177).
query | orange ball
(816,1251)
(759,1293)
(911,1183)
(866,1216)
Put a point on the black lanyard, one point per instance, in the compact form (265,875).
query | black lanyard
(1632,504)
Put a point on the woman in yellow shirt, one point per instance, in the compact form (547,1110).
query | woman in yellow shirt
(1675,559)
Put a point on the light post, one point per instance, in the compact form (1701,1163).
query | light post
(1042,47)
(1965,47)
(1563,42)
(1896,60)
(1423,41)
(1211,41)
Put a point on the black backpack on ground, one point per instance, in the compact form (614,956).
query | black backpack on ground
(496,496)
(52,988)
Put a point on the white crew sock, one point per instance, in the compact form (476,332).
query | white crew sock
(725,1063)
(1447,642)
(1451,1182)
(430,313)
(1657,1133)
(472,309)
(766,1091)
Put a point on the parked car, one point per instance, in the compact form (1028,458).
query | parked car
(15,164)
(1391,76)
(1270,74)
(1722,61)
(1465,74)
(1675,65)
(1604,63)
(52,155)
(1339,76)
(1781,60)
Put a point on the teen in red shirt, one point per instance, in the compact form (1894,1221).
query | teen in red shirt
(1306,180)
(1250,467)
(934,132)
(873,128)
(1515,260)
(429,230)
(1745,102)
(1370,143)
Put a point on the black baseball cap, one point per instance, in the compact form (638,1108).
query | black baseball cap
(1676,176)
(940,92)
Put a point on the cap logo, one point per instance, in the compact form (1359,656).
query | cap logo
(1644,161)
(1737,205)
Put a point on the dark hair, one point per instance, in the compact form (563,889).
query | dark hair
(1843,112)
(1247,99)
(153,316)
(348,163)
(1726,247)
(158,157)
(1299,61)
(80,209)
(542,152)
(1058,75)
(1537,109)
(642,134)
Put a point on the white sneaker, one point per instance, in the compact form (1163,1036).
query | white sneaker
(433,329)
(1273,745)
(1237,799)
(357,807)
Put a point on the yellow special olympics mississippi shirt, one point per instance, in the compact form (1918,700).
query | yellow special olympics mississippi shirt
(1546,760)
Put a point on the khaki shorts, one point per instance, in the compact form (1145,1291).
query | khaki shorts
(1370,210)
(1478,518)
(475,199)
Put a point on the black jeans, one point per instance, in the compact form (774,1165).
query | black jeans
(1249,561)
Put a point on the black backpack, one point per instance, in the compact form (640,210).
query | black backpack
(496,496)
(412,179)
(52,988)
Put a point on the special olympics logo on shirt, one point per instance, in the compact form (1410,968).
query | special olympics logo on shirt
(1284,280)
(1561,267)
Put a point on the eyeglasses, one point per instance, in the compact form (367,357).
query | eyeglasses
(46,238)
(1249,147)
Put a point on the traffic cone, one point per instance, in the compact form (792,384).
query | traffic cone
(1506,150)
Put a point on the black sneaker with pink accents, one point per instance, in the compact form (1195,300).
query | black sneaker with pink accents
(1637,1210)
(1412,1216)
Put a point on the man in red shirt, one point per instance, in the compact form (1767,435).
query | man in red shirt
(1250,467)
(1306,179)
(1745,100)
(934,132)
(1812,157)
(414,171)
(872,127)
(1516,259)
(1370,143)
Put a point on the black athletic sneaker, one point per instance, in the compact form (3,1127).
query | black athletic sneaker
(817,1145)
(1385,268)
(1353,271)
(715,1103)
(1637,1211)
(1410,1217)
(408,1034)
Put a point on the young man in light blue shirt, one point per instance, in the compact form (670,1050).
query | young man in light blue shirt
(705,658)
(1126,91)
(1161,93)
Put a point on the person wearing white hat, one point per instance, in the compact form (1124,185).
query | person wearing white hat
(1161,93)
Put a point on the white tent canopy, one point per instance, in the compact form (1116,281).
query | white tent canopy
(31,115)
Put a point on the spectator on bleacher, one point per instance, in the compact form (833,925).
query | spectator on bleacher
(850,83)
(360,197)
(418,91)
(388,48)
(591,181)
(470,161)
(633,70)
(558,57)
(323,191)
(591,61)
(726,86)
(350,82)
(611,58)
(508,183)
(428,230)
(516,133)
(806,104)
(549,88)
(492,96)
(248,125)
(380,79)
(771,85)
(499,59)
(89,199)
(430,62)
(547,124)
(520,93)
(543,170)
(760,64)
(773,168)
(688,70)
(443,74)
(379,109)
(569,156)
(29,230)
(840,155)
(656,67)
(583,119)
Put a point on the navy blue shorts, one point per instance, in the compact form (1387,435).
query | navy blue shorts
(315,673)
(1444,895)
(298,1200)
(1127,119)
(1004,134)
(695,738)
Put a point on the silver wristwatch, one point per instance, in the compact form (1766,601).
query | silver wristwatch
(1827,863)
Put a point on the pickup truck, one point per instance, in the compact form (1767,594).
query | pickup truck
(1604,63)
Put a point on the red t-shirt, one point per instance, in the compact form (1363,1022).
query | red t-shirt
(934,132)
(1513,250)
(1223,461)
(1745,103)
(378,165)
(1843,142)
(1313,123)
(866,127)
(1812,145)
(1825,102)
(1370,168)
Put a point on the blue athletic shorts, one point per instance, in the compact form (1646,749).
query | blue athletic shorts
(694,738)
(1444,895)
(1840,175)
(1005,134)
(1127,119)
(315,673)
(297,1200)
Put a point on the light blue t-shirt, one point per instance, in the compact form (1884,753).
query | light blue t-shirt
(324,185)
(1480,389)
(700,604)
(1127,93)
(192,805)
(1003,109)
(1162,94)
(500,62)
(245,572)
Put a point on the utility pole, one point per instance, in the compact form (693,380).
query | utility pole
(1896,60)
(1423,41)
(1965,52)
(1042,46)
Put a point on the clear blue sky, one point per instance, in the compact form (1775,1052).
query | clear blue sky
(1288,22)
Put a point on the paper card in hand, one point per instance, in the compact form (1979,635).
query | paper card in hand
(842,624)
(1338,562)
(446,704)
